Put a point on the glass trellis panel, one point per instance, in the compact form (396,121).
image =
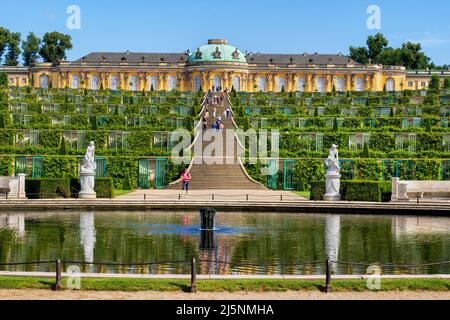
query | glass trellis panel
(301,122)
(446,143)
(160,140)
(347,169)
(100,172)
(412,142)
(405,123)
(144,174)
(288,174)
(417,122)
(404,169)
(161,173)
(272,179)
(357,141)
(21,165)
(319,142)
(37,167)
(445,170)
(444,123)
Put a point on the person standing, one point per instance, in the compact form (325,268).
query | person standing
(214,112)
(186,178)
(228,112)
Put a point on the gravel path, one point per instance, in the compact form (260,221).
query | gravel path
(149,295)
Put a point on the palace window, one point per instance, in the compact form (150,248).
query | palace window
(75,82)
(262,84)
(94,83)
(359,84)
(237,83)
(390,85)
(340,86)
(217,82)
(153,83)
(43,81)
(410,84)
(172,83)
(197,83)
(133,83)
(301,84)
(114,83)
(321,85)
(356,141)
(281,84)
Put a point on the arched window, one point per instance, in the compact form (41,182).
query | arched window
(359,86)
(94,83)
(172,83)
(262,84)
(340,85)
(320,85)
(197,83)
(133,83)
(43,81)
(281,84)
(217,82)
(237,83)
(153,83)
(301,84)
(114,83)
(75,82)
(390,85)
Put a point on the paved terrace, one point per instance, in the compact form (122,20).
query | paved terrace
(229,200)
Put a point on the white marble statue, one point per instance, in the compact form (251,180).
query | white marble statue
(333,178)
(87,173)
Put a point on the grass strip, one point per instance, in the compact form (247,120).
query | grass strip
(226,285)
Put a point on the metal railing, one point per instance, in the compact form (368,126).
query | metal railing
(193,267)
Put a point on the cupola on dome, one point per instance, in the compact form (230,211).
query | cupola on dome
(217,51)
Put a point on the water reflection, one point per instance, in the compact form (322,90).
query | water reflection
(260,243)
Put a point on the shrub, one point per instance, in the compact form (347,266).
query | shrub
(6,166)
(60,167)
(47,188)
(103,187)
(372,191)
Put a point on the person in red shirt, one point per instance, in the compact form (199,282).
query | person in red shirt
(186,178)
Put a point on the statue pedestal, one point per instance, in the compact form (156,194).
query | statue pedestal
(333,185)
(87,180)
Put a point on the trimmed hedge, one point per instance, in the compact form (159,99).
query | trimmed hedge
(47,188)
(371,191)
(103,187)
(6,166)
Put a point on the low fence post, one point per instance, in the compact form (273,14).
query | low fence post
(58,275)
(145,197)
(281,197)
(193,276)
(213,197)
(328,287)
(247,197)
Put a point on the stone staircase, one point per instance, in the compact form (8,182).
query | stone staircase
(223,175)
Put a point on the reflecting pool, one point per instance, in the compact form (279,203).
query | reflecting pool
(243,243)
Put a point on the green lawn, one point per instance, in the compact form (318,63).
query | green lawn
(304,194)
(234,285)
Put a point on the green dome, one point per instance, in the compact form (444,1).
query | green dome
(217,51)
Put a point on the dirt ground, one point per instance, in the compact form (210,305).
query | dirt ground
(27,294)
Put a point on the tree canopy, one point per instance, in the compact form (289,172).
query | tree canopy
(30,48)
(409,55)
(54,46)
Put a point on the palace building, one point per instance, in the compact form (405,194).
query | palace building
(219,65)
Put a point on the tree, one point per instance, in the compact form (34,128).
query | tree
(30,48)
(335,125)
(359,54)
(13,46)
(446,84)
(4,38)
(376,45)
(3,79)
(62,147)
(54,46)
(412,56)
(151,88)
(2,121)
(366,152)
(434,84)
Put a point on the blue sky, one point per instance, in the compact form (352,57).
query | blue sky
(283,26)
